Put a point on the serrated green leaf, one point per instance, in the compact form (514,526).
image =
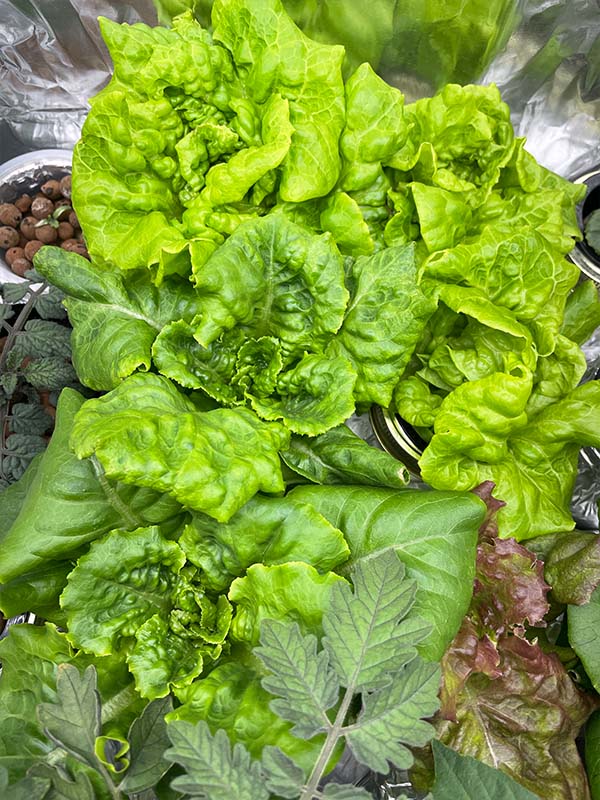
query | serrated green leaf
(49,305)
(60,785)
(45,338)
(9,381)
(364,635)
(344,791)
(14,292)
(6,311)
(283,776)
(464,778)
(214,770)
(302,680)
(148,740)
(393,715)
(29,788)
(73,722)
(592,231)
(51,372)
(28,418)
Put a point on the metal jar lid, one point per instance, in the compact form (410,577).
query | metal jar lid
(398,438)
(584,256)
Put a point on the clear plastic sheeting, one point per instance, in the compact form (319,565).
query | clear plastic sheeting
(52,60)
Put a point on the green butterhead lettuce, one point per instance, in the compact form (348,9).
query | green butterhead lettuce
(266,531)
(210,461)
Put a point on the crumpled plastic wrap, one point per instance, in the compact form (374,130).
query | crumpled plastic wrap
(52,60)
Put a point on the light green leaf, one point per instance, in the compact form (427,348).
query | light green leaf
(213,769)
(294,591)
(302,680)
(231,697)
(104,606)
(393,715)
(73,720)
(582,312)
(464,778)
(146,433)
(274,56)
(340,456)
(148,741)
(366,635)
(383,323)
(274,278)
(315,395)
(161,659)
(264,530)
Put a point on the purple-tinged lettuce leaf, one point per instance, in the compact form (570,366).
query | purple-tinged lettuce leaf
(510,591)
(525,721)
(489,527)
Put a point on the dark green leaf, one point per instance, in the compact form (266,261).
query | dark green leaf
(73,721)
(592,754)
(50,304)
(392,718)
(8,382)
(29,418)
(584,635)
(283,777)
(573,567)
(214,770)
(6,311)
(148,740)
(463,778)
(61,785)
(14,292)
(45,338)
(592,230)
(305,686)
(342,791)
(51,372)
(340,456)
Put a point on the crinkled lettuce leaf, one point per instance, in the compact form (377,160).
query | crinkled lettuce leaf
(273,278)
(434,533)
(146,433)
(482,432)
(115,317)
(231,698)
(266,530)
(313,396)
(384,321)
(273,55)
(293,591)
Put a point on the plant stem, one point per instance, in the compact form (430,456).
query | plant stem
(18,324)
(331,741)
